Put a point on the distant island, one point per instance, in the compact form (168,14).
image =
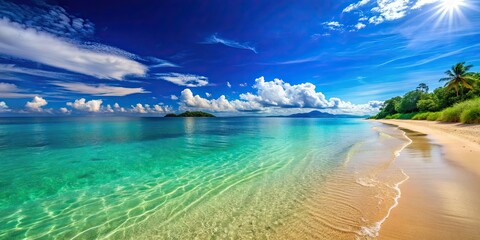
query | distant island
(318,114)
(191,114)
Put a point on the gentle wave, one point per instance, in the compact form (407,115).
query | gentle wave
(373,230)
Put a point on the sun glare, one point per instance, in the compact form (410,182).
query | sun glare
(450,12)
(450,5)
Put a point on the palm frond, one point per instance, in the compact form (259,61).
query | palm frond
(467,85)
(449,73)
(466,68)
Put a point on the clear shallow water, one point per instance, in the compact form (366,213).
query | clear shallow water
(146,178)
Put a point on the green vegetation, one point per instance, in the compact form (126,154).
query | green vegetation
(457,101)
(190,114)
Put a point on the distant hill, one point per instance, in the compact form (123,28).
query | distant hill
(318,114)
(190,114)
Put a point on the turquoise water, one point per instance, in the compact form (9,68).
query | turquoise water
(144,178)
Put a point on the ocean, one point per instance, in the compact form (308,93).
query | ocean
(196,178)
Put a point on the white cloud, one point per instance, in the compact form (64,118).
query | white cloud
(221,104)
(3,107)
(173,97)
(108,109)
(276,94)
(36,104)
(160,63)
(118,108)
(95,106)
(360,25)
(333,25)
(229,85)
(146,108)
(281,94)
(421,3)
(243,84)
(214,39)
(87,106)
(379,11)
(188,80)
(32,44)
(138,108)
(317,36)
(11,68)
(391,9)
(7,87)
(376,20)
(53,19)
(8,90)
(99,90)
(208,94)
(355,6)
(65,110)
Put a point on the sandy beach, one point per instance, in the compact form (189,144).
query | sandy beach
(460,142)
(441,199)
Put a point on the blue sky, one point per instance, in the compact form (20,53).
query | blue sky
(227,57)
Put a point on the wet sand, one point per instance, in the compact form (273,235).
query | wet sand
(441,199)
(460,142)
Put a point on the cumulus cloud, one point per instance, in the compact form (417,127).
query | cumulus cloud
(281,94)
(215,39)
(36,104)
(188,80)
(221,104)
(229,85)
(208,94)
(95,106)
(32,44)
(87,106)
(99,90)
(146,108)
(355,6)
(3,107)
(276,94)
(173,97)
(65,110)
(360,25)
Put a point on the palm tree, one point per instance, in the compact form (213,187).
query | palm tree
(459,77)
(422,87)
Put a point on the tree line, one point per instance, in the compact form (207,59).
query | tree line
(457,101)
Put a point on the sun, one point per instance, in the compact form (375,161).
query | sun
(449,13)
(451,5)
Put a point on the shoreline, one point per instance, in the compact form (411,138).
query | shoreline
(441,198)
(460,142)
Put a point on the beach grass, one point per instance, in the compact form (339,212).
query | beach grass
(464,112)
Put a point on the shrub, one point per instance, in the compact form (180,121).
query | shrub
(421,116)
(405,115)
(454,113)
(471,115)
(391,116)
(451,114)
(433,116)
